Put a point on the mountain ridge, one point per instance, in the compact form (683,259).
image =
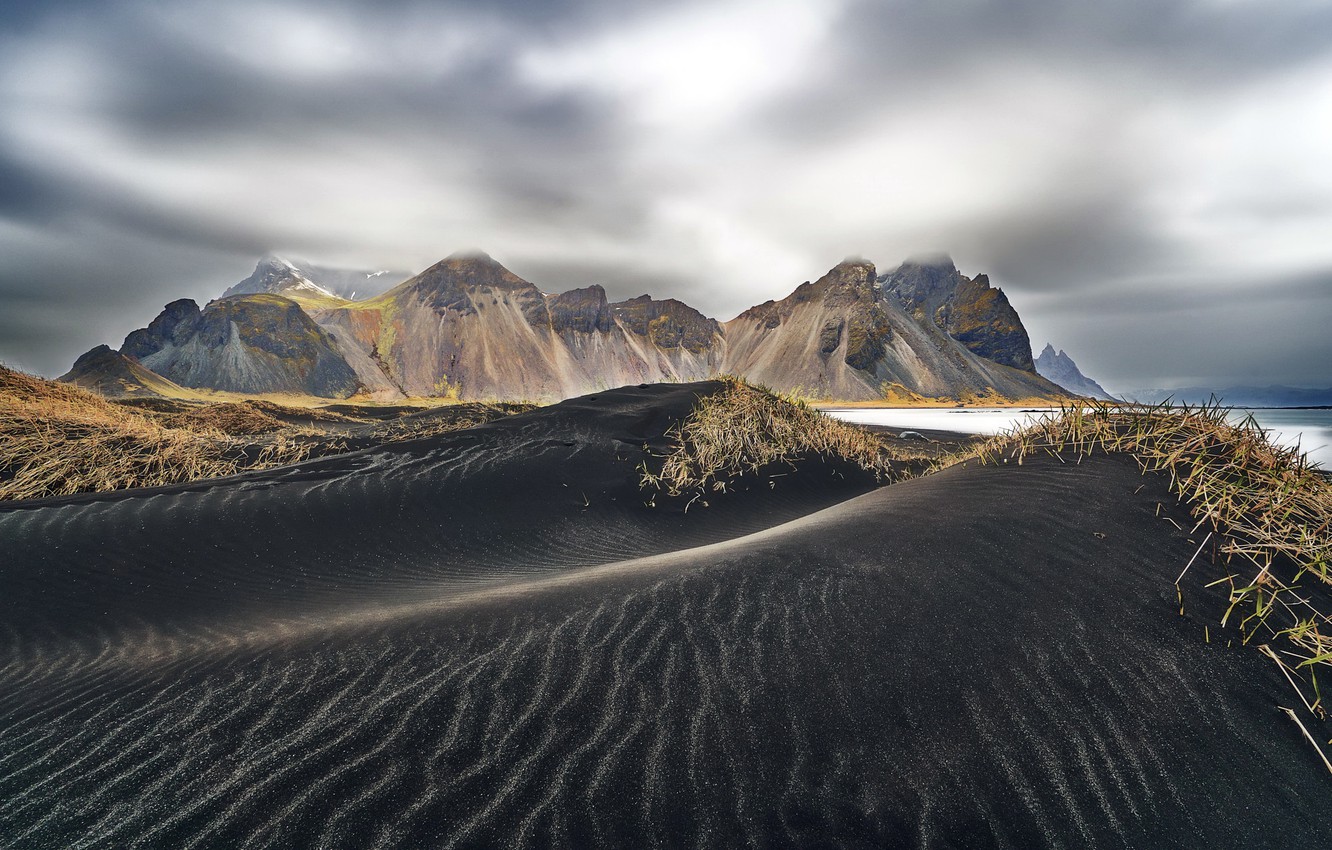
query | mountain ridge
(469,328)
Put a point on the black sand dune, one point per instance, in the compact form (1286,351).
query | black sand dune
(440,644)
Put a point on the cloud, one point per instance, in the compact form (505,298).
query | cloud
(1134,175)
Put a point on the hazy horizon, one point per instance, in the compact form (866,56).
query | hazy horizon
(1152,187)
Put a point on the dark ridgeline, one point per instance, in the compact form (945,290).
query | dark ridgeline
(488,639)
(469,327)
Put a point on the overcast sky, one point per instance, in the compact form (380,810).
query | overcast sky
(1150,182)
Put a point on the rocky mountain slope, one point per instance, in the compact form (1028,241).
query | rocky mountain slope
(1060,368)
(849,336)
(257,343)
(469,328)
(967,309)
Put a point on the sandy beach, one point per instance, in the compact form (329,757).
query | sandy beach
(496,638)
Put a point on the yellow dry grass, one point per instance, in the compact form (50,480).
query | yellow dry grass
(233,418)
(744,428)
(57,440)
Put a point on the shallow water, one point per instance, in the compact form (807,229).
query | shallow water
(1309,428)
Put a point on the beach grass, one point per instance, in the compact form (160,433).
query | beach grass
(745,428)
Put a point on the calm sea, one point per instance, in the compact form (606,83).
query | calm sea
(1310,429)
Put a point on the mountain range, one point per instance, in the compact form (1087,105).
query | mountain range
(469,328)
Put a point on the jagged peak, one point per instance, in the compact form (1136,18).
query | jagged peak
(274,261)
(269,270)
(1051,353)
(276,274)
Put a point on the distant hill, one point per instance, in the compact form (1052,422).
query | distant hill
(469,328)
(1060,368)
(114,375)
(1270,396)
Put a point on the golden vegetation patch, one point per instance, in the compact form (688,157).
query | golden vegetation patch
(743,429)
(1267,509)
(58,440)
(233,418)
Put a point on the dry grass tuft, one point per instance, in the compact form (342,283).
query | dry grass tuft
(743,429)
(1270,510)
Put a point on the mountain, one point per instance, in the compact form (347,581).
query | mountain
(1060,368)
(258,343)
(469,328)
(114,375)
(848,336)
(967,309)
(313,284)
(1270,396)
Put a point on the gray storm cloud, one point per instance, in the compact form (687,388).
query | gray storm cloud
(1151,185)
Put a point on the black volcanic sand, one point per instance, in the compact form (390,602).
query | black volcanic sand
(438,644)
